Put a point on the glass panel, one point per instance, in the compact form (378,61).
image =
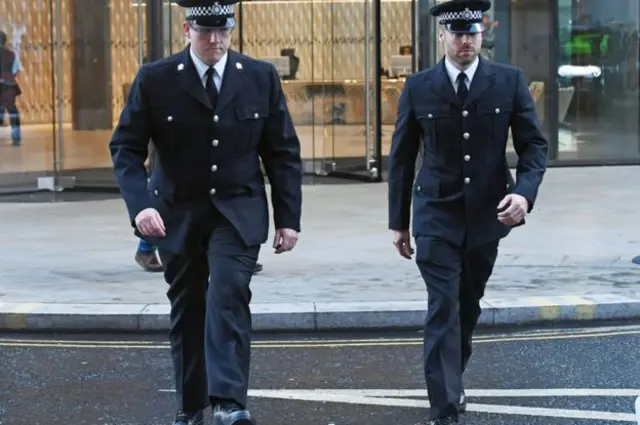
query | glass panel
(26,131)
(526,26)
(174,34)
(346,66)
(298,51)
(101,54)
(598,74)
(172,26)
(397,60)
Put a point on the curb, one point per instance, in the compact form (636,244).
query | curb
(320,316)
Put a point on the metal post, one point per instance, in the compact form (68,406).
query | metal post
(377,176)
(54,145)
(155,30)
(415,24)
(59,161)
(367,84)
(240,27)
(140,35)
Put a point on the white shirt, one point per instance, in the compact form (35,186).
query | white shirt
(453,72)
(202,68)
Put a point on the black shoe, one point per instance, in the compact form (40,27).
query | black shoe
(463,402)
(444,421)
(258,268)
(229,414)
(185,419)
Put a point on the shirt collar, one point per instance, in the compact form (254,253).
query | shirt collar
(202,67)
(453,71)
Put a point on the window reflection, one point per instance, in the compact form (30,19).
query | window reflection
(598,79)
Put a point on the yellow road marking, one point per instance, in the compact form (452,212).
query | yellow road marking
(320,341)
(389,342)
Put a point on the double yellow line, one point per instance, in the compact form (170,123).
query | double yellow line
(319,343)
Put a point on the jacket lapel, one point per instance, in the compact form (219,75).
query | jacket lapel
(190,80)
(441,84)
(232,80)
(483,79)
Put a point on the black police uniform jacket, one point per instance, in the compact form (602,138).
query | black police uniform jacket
(464,173)
(206,154)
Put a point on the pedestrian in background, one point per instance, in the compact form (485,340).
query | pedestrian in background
(9,88)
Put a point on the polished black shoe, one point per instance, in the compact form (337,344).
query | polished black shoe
(228,414)
(185,419)
(463,402)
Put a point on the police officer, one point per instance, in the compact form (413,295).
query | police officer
(212,114)
(464,199)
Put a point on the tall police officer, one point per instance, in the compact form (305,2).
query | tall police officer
(212,114)
(464,199)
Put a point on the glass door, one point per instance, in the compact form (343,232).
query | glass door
(326,58)
(347,32)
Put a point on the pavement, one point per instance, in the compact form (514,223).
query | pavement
(562,376)
(69,265)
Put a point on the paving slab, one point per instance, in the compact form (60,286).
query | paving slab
(579,242)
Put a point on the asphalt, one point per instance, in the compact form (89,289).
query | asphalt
(582,376)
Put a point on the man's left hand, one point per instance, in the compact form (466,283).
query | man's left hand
(285,240)
(515,209)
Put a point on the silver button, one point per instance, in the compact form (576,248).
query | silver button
(155,192)
(465,113)
(430,116)
(255,115)
(215,118)
(497,110)
(214,168)
(169,118)
(465,135)
(212,192)
(467,158)
(215,143)
(467,180)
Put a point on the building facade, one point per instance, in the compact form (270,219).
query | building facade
(342,63)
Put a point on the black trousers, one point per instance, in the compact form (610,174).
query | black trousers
(210,329)
(456,278)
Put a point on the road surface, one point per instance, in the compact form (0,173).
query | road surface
(588,376)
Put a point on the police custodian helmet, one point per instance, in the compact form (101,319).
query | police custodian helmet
(461,16)
(209,14)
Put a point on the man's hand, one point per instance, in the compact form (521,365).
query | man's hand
(402,242)
(512,209)
(285,240)
(149,223)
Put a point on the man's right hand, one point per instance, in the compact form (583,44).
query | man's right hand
(402,242)
(149,223)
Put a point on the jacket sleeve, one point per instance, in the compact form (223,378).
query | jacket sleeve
(402,162)
(129,148)
(529,142)
(280,153)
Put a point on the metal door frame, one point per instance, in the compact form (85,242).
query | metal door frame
(373,145)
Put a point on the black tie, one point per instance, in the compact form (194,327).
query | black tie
(210,88)
(462,87)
